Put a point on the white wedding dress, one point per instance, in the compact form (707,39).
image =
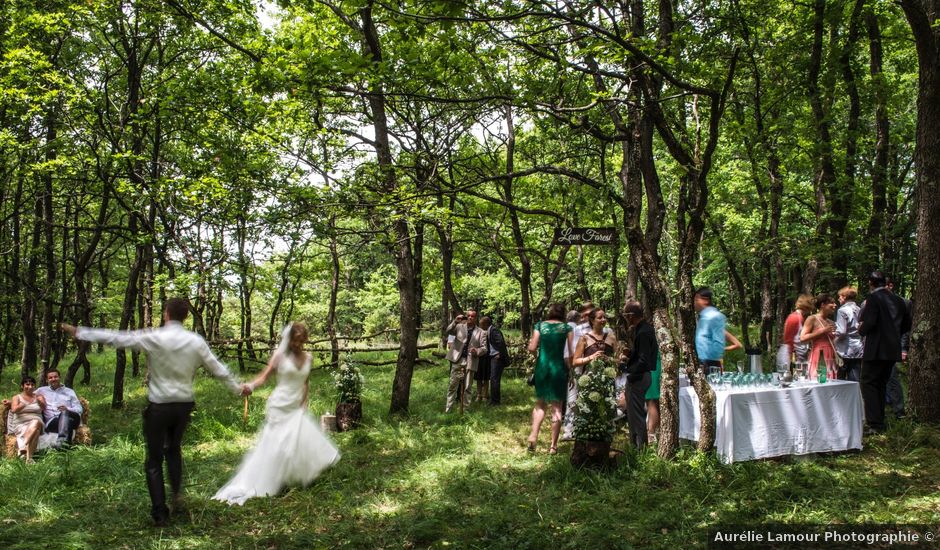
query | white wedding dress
(289,450)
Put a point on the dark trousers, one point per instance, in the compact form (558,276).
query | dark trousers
(64,424)
(496,376)
(164,426)
(875,375)
(894,392)
(851,370)
(636,407)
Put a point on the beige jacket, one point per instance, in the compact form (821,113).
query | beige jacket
(478,345)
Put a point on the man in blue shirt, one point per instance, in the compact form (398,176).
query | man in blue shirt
(710,332)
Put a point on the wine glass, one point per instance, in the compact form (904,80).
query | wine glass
(714,374)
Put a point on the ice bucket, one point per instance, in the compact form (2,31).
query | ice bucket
(754,361)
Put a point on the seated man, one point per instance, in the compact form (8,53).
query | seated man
(63,412)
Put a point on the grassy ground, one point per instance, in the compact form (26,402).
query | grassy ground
(436,480)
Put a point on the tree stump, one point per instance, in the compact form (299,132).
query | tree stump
(593,454)
(348,416)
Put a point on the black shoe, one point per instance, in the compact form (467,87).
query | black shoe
(160,521)
(178,504)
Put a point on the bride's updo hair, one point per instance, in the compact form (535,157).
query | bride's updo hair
(297,331)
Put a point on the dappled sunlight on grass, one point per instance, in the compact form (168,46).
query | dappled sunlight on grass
(431,479)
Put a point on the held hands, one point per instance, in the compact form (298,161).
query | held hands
(246,390)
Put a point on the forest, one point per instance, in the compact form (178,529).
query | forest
(373,167)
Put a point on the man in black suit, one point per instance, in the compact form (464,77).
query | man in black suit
(638,368)
(498,356)
(883,320)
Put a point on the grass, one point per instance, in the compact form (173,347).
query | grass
(442,481)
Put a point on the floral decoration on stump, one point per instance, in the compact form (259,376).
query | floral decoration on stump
(348,380)
(595,411)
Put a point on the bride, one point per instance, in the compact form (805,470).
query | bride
(290,449)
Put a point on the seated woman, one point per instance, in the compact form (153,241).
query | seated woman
(26,422)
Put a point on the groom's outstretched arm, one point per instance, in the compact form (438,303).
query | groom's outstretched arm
(137,340)
(218,369)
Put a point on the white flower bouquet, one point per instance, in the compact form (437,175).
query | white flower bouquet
(596,405)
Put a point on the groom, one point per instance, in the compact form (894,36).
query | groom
(174,354)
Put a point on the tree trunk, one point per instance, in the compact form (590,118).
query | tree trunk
(127,317)
(825,166)
(840,196)
(48,303)
(334,293)
(524,273)
(404,257)
(876,224)
(925,336)
(83,265)
(29,358)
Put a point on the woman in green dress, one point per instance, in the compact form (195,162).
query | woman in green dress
(551,372)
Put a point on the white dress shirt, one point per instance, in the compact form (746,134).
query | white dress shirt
(174,354)
(57,397)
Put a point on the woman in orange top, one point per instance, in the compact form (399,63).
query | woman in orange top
(792,328)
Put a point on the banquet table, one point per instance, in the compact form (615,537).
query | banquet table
(764,422)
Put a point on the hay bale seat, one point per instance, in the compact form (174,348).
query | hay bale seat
(82,433)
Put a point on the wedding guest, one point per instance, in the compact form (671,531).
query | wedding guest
(498,357)
(572,318)
(731,342)
(847,339)
(464,356)
(792,327)
(894,394)
(595,343)
(710,330)
(63,413)
(549,340)
(818,331)
(173,354)
(638,368)
(26,422)
(883,320)
(571,398)
(483,372)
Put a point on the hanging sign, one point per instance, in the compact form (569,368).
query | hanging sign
(585,235)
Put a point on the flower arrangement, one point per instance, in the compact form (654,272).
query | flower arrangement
(596,405)
(348,381)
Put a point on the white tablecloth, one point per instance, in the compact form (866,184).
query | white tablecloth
(767,422)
